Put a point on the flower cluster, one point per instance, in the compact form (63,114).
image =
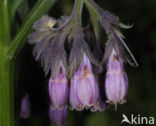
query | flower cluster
(77,78)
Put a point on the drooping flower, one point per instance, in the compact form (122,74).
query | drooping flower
(58,117)
(116,83)
(25,107)
(58,88)
(84,88)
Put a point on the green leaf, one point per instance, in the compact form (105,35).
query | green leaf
(6,90)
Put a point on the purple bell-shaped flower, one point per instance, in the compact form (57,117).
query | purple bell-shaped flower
(84,88)
(58,88)
(25,107)
(116,83)
(58,117)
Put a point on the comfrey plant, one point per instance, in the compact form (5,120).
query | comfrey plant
(78,68)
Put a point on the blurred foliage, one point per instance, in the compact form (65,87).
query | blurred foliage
(141,39)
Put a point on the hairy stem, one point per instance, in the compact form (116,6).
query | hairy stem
(77,16)
(5,23)
(6,90)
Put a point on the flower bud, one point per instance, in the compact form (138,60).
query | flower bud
(58,88)
(116,84)
(84,88)
(58,117)
(25,107)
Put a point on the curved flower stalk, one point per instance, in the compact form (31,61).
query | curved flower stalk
(25,107)
(110,23)
(58,88)
(58,117)
(49,38)
(116,83)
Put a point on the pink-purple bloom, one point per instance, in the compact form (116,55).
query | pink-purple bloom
(84,88)
(116,84)
(58,88)
(25,107)
(58,117)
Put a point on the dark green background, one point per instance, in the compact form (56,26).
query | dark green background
(141,39)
